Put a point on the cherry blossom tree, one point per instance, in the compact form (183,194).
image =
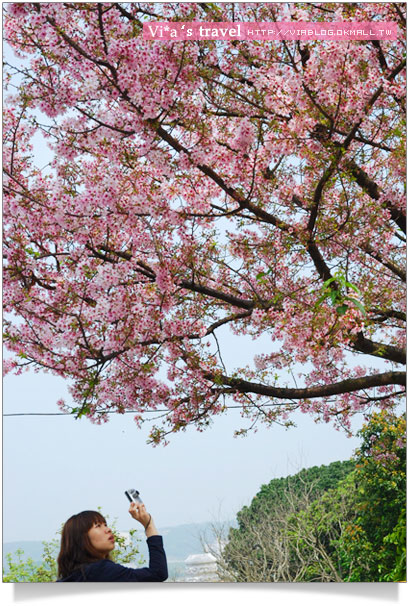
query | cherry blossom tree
(200,186)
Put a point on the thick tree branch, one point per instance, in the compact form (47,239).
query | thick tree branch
(386,314)
(379,350)
(372,189)
(185,284)
(216,294)
(320,391)
(385,262)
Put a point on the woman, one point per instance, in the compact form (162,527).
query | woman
(86,543)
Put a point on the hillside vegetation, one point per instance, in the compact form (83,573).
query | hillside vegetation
(342,522)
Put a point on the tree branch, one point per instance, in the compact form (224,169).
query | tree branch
(386,263)
(379,350)
(372,189)
(320,391)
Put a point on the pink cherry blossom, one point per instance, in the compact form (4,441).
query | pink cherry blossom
(198,187)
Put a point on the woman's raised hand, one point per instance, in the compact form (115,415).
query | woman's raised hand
(139,513)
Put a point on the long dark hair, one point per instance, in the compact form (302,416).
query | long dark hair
(76,548)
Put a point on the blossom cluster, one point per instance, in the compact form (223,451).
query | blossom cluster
(199,186)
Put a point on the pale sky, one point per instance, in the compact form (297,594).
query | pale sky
(55,466)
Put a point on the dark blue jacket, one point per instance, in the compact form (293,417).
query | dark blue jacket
(108,571)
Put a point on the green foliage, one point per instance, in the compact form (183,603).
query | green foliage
(333,289)
(398,537)
(314,479)
(378,527)
(21,570)
(266,529)
(341,522)
(315,531)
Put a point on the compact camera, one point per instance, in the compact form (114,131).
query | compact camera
(133,495)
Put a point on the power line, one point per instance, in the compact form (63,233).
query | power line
(72,414)
(36,414)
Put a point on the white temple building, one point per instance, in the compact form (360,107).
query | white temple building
(201,568)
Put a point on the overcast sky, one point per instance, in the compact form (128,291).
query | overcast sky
(57,466)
